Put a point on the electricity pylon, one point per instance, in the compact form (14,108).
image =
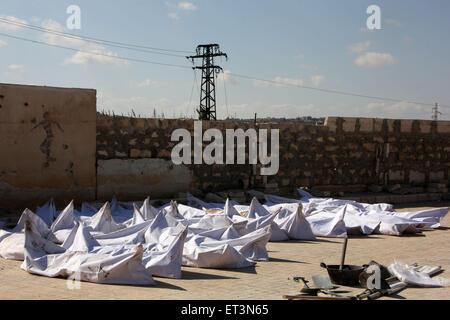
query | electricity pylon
(436,112)
(207,52)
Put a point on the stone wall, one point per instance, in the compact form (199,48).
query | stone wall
(53,144)
(346,155)
(47,143)
(145,146)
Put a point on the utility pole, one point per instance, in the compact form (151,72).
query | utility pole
(436,112)
(207,52)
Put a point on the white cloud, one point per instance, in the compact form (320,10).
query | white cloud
(394,22)
(179,7)
(259,83)
(35,20)
(15,73)
(174,16)
(187,6)
(4,26)
(398,110)
(16,67)
(147,83)
(54,39)
(317,80)
(299,56)
(144,106)
(289,81)
(359,47)
(278,82)
(374,59)
(365,29)
(96,57)
(308,67)
(90,53)
(226,76)
(3,43)
(263,109)
(375,109)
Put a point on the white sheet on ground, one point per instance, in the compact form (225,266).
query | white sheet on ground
(102,221)
(328,224)
(429,218)
(47,212)
(207,235)
(164,242)
(45,258)
(291,220)
(12,242)
(225,248)
(147,210)
(408,275)
(257,211)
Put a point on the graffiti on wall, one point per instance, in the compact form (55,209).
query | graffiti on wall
(47,125)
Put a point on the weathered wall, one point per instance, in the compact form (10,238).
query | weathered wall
(415,152)
(147,142)
(54,145)
(47,143)
(344,155)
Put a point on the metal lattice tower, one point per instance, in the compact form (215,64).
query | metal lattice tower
(436,112)
(207,52)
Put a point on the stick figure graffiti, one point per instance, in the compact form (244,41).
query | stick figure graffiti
(45,146)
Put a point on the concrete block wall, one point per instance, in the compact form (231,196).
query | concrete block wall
(53,144)
(415,152)
(345,155)
(146,144)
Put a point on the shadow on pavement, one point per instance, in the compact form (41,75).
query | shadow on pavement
(318,240)
(286,260)
(191,275)
(250,270)
(165,285)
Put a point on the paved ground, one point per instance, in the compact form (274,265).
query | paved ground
(267,280)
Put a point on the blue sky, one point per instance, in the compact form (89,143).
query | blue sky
(323,44)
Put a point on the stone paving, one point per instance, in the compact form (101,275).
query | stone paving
(267,280)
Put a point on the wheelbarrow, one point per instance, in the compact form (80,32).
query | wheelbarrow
(343,274)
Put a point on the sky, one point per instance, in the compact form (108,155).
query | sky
(316,44)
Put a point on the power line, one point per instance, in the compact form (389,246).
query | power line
(226,95)
(95,53)
(196,82)
(331,91)
(192,90)
(26,25)
(230,74)
(97,40)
